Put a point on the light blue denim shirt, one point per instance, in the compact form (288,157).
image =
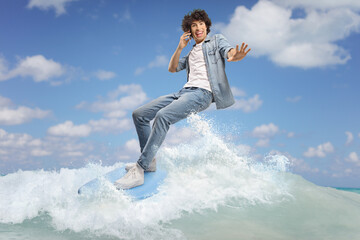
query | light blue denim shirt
(215,49)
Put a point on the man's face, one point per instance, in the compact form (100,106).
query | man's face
(198,31)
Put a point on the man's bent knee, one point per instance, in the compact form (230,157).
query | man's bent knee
(161,116)
(137,114)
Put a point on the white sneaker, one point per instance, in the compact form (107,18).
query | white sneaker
(152,167)
(133,178)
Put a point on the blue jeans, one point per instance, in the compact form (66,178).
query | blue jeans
(165,110)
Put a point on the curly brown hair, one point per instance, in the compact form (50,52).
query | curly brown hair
(196,15)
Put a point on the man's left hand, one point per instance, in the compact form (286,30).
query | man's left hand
(236,54)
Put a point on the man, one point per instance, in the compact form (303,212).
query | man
(206,83)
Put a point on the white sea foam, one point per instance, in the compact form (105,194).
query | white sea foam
(203,175)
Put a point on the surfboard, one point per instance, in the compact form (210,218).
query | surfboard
(152,180)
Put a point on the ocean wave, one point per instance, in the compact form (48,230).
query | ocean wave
(209,183)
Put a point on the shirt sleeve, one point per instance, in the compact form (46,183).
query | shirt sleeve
(224,46)
(182,64)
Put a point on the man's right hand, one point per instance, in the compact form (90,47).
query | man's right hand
(184,40)
(174,61)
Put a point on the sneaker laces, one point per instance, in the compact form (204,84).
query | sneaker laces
(132,172)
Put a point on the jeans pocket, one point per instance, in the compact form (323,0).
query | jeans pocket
(207,95)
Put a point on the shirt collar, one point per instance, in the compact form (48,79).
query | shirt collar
(206,40)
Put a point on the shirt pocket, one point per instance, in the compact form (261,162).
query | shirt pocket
(213,55)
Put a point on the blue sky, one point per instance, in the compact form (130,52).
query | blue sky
(71,72)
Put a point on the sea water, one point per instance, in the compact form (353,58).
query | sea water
(213,191)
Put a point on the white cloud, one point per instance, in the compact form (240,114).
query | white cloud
(115,114)
(10,140)
(302,166)
(125,16)
(350,137)
(10,115)
(320,4)
(20,115)
(310,55)
(73,154)
(353,158)
(290,134)
(131,90)
(110,125)
(265,131)
(293,99)
(3,66)
(19,146)
(57,5)
(159,61)
(118,102)
(263,142)
(133,146)
(115,106)
(139,70)
(306,42)
(320,151)
(40,153)
(41,69)
(22,151)
(248,105)
(68,148)
(37,67)
(5,102)
(238,92)
(104,75)
(68,129)
(104,125)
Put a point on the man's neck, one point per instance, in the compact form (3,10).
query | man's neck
(197,43)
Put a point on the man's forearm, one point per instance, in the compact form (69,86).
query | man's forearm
(174,61)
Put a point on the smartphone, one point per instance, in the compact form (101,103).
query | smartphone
(190,37)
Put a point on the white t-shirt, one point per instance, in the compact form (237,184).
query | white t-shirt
(198,74)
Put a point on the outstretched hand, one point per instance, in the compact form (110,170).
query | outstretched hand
(237,54)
